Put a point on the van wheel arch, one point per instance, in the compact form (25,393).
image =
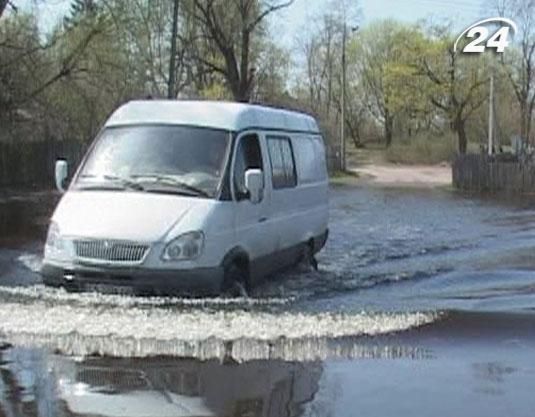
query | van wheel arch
(308,253)
(236,279)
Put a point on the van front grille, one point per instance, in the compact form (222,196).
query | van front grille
(110,251)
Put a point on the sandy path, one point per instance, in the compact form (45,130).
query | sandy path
(373,168)
(405,175)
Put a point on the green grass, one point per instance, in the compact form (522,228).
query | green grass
(342,178)
(343,174)
(422,150)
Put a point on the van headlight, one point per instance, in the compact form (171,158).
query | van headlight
(55,246)
(185,247)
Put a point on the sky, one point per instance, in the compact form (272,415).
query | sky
(461,12)
(289,23)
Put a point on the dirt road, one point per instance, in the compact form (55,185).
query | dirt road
(372,167)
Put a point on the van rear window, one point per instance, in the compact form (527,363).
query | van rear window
(282,162)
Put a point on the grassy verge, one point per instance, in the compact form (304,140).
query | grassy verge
(422,150)
(343,177)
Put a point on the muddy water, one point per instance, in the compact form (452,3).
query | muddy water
(424,297)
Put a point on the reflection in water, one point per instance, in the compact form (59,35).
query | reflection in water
(188,387)
(33,383)
(491,377)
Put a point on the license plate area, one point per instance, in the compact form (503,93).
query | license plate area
(109,288)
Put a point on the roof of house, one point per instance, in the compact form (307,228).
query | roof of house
(213,114)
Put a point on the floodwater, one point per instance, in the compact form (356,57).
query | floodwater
(424,304)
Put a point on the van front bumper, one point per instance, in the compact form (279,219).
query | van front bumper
(197,281)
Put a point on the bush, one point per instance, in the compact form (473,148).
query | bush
(422,150)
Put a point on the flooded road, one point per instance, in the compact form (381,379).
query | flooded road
(424,304)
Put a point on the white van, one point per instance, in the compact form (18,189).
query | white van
(193,196)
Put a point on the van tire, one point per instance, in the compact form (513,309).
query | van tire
(308,256)
(235,280)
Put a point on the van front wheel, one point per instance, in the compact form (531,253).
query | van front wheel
(235,281)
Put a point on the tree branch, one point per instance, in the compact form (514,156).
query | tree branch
(268,11)
(68,66)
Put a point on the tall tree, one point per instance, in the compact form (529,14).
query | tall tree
(322,51)
(230,25)
(171,82)
(519,64)
(4,4)
(456,84)
(272,75)
(377,50)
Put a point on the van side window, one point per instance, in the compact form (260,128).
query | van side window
(282,162)
(248,156)
(310,159)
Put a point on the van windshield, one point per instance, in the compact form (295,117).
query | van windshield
(173,159)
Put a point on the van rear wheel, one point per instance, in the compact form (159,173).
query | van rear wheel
(235,281)
(308,257)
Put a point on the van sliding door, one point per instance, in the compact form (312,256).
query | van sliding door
(252,220)
(287,220)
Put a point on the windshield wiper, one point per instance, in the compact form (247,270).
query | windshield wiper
(125,182)
(122,181)
(167,180)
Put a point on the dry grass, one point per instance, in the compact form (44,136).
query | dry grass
(422,150)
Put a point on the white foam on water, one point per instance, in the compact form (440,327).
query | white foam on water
(134,331)
(31,261)
(60,296)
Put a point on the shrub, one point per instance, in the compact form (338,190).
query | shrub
(422,150)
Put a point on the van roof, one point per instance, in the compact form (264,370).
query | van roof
(213,114)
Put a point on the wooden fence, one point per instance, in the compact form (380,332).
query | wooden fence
(493,174)
(333,158)
(31,164)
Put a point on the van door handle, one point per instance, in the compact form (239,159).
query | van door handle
(262,219)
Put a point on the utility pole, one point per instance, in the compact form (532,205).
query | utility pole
(343,99)
(343,104)
(491,116)
(171,83)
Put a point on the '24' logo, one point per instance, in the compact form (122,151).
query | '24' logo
(498,40)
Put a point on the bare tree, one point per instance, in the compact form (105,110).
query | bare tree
(230,26)
(521,69)
(4,4)
(376,52)
(171,82)
(321,51)
(457,90)
(27,68)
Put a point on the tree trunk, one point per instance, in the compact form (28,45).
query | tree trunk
(459,127)
(3,6)
(232,74)
(354,133)
(528,126)
(389,129)
(171,82)
(238,85)
(244,90)
(523,121)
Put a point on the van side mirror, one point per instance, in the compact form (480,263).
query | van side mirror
(62,170)
(254,183)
